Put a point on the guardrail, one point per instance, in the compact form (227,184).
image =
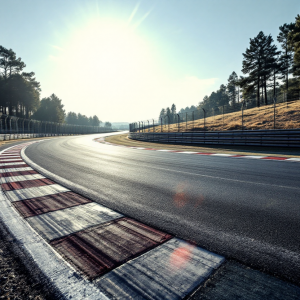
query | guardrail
(274,138)
(12,127)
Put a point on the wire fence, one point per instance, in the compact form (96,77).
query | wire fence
(12,127)
(281,114)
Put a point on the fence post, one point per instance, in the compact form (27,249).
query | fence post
(17,127)
(193,117)
(5,123)
(243,103)
(160,124)
(186,121)
(178,119)
(10,130)
(274,112)
(204,112)
(223,115)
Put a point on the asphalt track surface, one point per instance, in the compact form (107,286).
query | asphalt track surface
(244,209)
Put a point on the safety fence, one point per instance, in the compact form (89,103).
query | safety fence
(283,115)
(278,138)
(12,127)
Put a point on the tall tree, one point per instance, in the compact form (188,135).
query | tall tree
(162,114)
(294,42)
(19,91)
(173,112)
(107,124)
(258,61)
(286,58)
(71,118)
(231,88)
(96,121)
(51,109)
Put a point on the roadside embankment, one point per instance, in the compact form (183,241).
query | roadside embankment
(123,139)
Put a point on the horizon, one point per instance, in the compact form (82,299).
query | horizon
(170,53)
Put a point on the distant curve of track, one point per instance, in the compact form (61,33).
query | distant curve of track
(244,209)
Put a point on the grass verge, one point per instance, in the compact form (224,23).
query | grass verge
(123,139)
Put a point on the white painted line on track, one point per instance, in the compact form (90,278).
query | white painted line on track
(63,222)
(252,156)
(293,159)
(169,271)
(33,192)
(21,178)
(188,152)
(12,164)
(15,169)
(206,154)
(222,154)
(10,160)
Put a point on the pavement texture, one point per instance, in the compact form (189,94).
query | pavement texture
(99,241)
(123,257)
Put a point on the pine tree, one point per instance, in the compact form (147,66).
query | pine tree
(231,88)
(162,114)
(173,112)
(51,109)
(258,62)
(286,58)
(294,42)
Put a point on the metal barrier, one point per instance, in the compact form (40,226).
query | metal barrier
(12,127)
(274,138)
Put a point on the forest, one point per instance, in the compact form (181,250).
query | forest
(269,74)
(20,95)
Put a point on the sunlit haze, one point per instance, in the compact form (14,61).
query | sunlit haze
(125,60)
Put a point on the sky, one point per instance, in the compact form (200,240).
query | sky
(125,60)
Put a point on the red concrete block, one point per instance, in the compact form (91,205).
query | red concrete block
(275,158)
(40,205)
(25,184)
(20,173)
(11,161)
(14,166)
(102,248)
(204,153)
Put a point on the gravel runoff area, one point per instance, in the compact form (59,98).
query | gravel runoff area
(122,139)
(16,282)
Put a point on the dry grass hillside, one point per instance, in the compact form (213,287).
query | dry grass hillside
(287,116)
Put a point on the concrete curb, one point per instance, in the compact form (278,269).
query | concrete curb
(57,273)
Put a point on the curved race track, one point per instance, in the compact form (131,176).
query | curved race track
(245,209)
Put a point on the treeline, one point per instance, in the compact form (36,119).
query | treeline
(266,72)
(79,119)
(20,95)
(19,91)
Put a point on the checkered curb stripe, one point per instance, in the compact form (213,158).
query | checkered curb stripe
(278,158)
(121,256)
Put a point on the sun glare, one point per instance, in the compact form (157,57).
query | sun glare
(111,62)
(109,52)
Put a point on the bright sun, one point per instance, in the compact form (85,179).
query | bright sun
(106,53)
